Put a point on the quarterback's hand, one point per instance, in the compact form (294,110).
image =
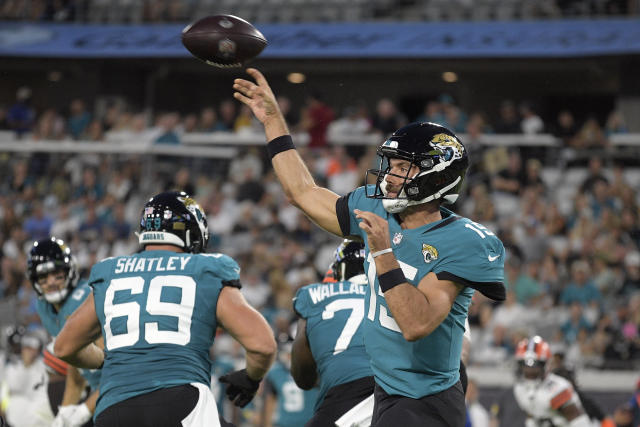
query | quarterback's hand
(240,388)
(72,416)
(377,229)
(258,96)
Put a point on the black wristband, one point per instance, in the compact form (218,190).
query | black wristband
(391,279)
(280,144)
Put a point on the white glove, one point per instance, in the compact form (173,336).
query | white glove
(72,416)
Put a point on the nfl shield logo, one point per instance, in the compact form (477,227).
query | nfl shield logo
(227,48)
(397,238)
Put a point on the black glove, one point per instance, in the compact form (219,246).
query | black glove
(240,388)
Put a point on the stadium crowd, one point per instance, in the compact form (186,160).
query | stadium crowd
(572,235)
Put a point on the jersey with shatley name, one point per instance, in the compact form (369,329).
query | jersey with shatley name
(334,314)
(53,321)
(295,406)
(157,310)
(543,400)
(454,248)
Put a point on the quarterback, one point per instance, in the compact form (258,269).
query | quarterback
(423,262)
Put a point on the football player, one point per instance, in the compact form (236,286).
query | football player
(292,405)
(52,271)
(423,261)
(158,311)
(328,349)
(548,399)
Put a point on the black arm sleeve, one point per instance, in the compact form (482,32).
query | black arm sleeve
(493,290)
(342,212)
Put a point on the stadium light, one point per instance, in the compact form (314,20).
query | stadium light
(296,78)
(449,77)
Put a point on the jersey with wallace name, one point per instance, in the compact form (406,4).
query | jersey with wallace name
(157,310)
(454,248)
(334,313)
(53,321)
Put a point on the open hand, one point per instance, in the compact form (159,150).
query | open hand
(258,96)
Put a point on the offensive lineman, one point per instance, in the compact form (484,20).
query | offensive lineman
(158,311)
(329,348)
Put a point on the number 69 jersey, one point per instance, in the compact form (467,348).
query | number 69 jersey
(157,310)
(334,313)
(454,248)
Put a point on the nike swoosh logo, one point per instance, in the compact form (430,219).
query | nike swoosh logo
(493,258)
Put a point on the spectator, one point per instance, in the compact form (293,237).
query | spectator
(432,113)
(595,174)
(581,289)
(525,287)
(189,123)
(591,135)
(316,118)
(38,225)
(289,113)
(208,120)
(350,124)
(168,124)
(387,118)
(79,118)
(511,179)
(228,113)
(21,117)
(508,121)
(615,124)
(566,128)
(576,323)
(531,123)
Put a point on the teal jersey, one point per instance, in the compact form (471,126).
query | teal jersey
(53,321)
(334,314)
(295,406)
(157,310)
(454,248)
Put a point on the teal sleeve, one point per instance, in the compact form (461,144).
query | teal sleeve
(300,303)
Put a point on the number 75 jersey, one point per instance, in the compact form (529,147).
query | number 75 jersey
(157,310)
(454,248)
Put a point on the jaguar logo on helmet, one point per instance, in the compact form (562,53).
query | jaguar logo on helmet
(429,253)
(448,144)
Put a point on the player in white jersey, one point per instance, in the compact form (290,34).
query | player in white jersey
(549,400)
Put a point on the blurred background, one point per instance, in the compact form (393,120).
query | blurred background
(101,107)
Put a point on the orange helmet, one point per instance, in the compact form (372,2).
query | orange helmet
(532,355)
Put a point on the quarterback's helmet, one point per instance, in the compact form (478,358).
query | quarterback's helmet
(348,263)
(441,158)
(532,355)
(174,218)
(47,256)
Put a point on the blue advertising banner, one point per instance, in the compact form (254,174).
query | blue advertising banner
(567,38)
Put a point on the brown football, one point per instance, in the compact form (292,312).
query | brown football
(223,40)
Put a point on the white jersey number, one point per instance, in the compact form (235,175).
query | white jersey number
(131,310)
(385,319)
(353,322)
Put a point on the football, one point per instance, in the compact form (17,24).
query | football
(223,40)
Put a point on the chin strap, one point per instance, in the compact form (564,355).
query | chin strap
(397,205)
(56,297)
